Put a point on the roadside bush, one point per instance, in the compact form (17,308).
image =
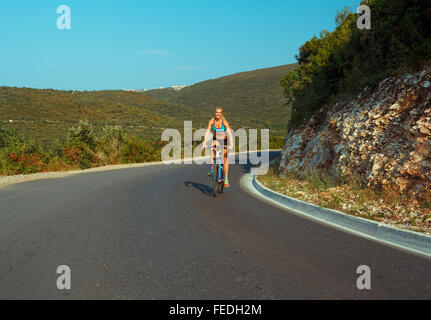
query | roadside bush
(276,142)
(19,154)
(84,133)
(80,155)
(80,149)
(9,137)
(110,144)
(135,150)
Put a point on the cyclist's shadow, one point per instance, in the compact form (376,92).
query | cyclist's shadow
(201,187)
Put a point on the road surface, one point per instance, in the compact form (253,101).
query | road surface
(157,233)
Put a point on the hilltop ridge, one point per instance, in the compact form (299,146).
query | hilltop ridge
(251,100)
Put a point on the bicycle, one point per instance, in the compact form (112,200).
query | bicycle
(218,172)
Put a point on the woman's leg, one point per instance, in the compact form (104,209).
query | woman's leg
(226,164)
(213,155)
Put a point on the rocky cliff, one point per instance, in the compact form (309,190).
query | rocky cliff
(383,137)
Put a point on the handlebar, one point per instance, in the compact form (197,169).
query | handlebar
(214,147)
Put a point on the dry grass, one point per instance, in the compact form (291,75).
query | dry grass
(350,197)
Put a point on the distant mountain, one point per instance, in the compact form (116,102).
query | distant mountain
(251,99)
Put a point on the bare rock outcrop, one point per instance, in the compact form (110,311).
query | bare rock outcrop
(383,136)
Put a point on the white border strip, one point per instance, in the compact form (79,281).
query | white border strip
(405,240)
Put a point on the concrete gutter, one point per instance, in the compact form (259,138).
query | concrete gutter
(405,240)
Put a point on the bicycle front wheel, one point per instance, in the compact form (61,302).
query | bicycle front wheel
(215,180)
(221,181)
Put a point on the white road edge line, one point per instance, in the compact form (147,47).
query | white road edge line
(247,185)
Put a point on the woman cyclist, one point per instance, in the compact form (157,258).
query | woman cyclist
(222,135)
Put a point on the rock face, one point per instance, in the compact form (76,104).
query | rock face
(383,136)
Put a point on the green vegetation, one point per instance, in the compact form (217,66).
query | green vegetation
(336,65)
(41,130)
(348,195)
(46,115)
(250,99)
(81,148)
(19,154)
(340,62)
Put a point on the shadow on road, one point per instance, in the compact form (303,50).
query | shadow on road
(207,190)
(247,167)
(201,187)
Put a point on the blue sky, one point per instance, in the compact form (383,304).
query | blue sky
(138,44)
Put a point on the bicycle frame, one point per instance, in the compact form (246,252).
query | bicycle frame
(218,169)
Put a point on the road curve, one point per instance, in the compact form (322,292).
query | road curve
(157,233)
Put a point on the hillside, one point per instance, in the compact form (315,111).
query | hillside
(251,99)
(361,112)
(382,137)
(343,62)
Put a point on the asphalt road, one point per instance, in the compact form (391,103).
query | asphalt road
(157,233)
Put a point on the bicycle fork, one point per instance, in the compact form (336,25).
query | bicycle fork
(218,171)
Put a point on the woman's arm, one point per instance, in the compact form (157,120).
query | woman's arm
(229,132)
(210,123)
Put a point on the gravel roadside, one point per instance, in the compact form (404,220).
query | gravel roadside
(8,180)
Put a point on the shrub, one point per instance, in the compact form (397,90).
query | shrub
(83,132)
(135,150)
(110,143)
(348,59)
(19,154)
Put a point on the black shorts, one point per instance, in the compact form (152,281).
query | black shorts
(221,141)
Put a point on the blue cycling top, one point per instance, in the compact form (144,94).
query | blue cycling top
(217,133)
(222,129)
